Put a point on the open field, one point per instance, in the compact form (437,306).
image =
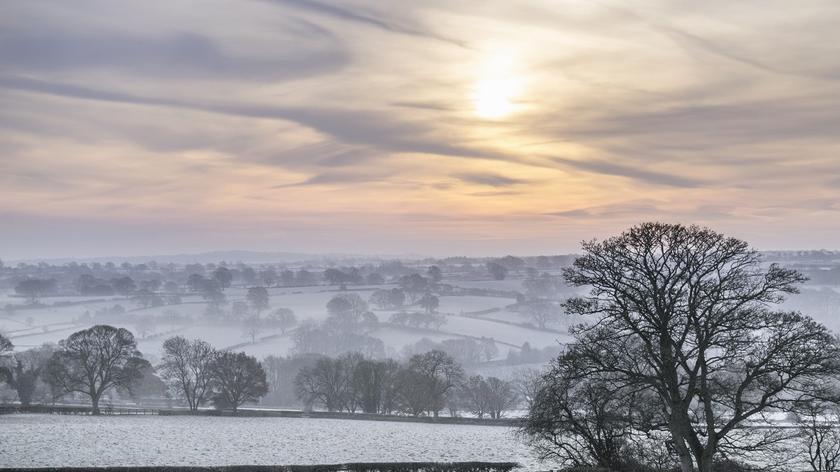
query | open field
(33,440)
(61,316)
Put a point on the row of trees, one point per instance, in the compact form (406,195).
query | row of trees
(426,384)
(197,372)
(103,358)
(216,280)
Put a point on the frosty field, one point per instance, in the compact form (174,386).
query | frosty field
(51,440)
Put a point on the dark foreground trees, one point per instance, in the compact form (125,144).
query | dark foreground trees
(187,368)
(6,346)
(424,385)
(579,419)
(95,360)
(24,372)
(684,314)
(237,378)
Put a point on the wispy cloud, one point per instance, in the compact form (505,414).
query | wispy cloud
(492,180)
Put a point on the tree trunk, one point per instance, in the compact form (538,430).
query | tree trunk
(94,399)
(686,462)
(706,459)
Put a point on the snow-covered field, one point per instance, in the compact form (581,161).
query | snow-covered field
(28,328)
(84,441)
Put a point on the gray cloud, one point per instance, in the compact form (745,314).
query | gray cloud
(366,18)
(632,172)
(37,48)
(492,180)
(381,130)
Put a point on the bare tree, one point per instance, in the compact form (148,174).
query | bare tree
(282,318)
(501,396)
(186,367)
(258,298)
(439,375)
(580,419)
(223,276)
(94,360)
(6,346)
(819,434)
(251,327)
(685,313)
(542,312)
(237,378)
(328,382)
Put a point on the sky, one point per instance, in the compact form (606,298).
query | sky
(481,127)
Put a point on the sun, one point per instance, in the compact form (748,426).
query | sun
(494,98)
(497,85)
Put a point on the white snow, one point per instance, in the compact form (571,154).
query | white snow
(31,440)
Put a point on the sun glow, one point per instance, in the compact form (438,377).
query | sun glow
(497,86)
(494,98)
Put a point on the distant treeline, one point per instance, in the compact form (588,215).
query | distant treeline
(34,281)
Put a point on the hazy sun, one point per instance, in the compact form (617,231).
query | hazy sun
(494,97)
(497,86)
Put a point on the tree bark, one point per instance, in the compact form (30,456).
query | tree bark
(94,399)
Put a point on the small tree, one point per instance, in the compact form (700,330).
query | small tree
(439,376)
(26,371)
(497,271)
(25,374)
(94,360)
(33,289)
(282,318)
(251,327)
(238,378)
(223,276)
(501,396)
(6,346)
(186,368)
(542,312)
(429,302)
(258,298)
(435,273)
(819,436)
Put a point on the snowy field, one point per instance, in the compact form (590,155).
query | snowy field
(85,441)
(28,328)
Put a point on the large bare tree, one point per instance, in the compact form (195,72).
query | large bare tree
(686,313)
(95,360)
(186,366)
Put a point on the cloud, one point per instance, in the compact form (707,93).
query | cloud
(491,180)
(615,210)
(364,17)
(185,55)
(340,178)
(632,172)
(376,129)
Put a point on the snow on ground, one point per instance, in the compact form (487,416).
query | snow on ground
(501,332)
(512,285)
(397,339)
(50,324)
(85,441)
(458,304)
(276,346)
